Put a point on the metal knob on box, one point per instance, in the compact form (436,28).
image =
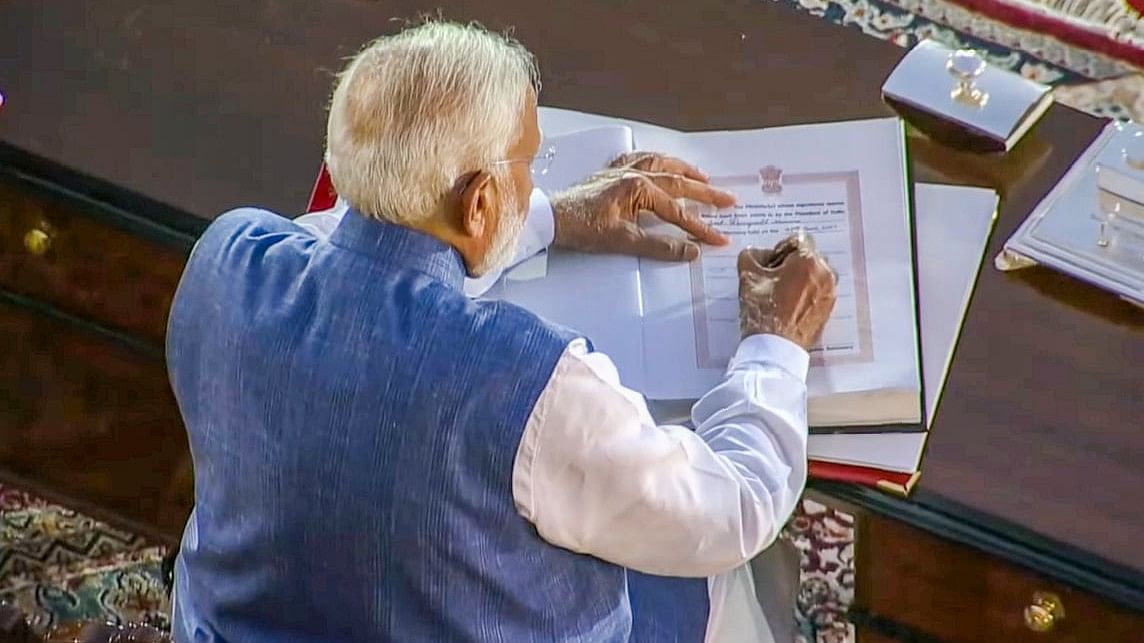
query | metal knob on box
(965,65)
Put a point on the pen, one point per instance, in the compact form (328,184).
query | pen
(789,246)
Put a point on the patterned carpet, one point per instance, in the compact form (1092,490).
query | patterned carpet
(60,566)
(825,540)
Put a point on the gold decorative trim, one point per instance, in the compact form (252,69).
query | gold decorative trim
(900,490)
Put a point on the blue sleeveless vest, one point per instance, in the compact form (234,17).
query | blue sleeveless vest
(354,419)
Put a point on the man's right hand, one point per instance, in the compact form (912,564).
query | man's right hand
(787,290)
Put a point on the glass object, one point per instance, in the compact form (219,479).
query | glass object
(966,65)
(1091,225)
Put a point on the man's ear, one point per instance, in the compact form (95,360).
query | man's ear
(477,201)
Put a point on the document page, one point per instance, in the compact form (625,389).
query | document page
(844,184)
(828,207)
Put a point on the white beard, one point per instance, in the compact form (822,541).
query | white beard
(504,244)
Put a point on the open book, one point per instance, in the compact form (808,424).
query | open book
(672,327)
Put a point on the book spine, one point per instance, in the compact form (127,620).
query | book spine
(893,482)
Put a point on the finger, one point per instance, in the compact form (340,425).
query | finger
(799,266)
(672,165)
(627,160)
(787,245)
(797,243)
(824,275)
(678,186)
(665,248)
(654,162)
(824,298)
(821,271)
(829,274)
(651,197)
(780,253)
(827,296)
(754,260)
(828,308)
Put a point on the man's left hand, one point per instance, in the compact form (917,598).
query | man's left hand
(600,214)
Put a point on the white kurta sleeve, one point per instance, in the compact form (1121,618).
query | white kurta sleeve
(596,475)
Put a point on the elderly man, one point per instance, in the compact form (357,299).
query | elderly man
(379,457)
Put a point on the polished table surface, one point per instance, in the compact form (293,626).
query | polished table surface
(176,110)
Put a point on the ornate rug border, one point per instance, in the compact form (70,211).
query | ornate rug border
(905,22)
(1113,34)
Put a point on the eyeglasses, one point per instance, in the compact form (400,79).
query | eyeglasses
(539,163)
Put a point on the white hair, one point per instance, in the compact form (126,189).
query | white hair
(504,241)
(415,111)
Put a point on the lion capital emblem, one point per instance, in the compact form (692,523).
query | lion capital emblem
(771,179)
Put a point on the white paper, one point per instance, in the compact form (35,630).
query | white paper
(597,295)
(819,206)
(863,172)
(953,227)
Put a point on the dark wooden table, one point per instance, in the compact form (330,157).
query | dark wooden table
(128,125)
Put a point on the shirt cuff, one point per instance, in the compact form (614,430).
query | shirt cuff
(772,350)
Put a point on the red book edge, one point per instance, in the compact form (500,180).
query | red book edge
(323,196)
(899,484)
